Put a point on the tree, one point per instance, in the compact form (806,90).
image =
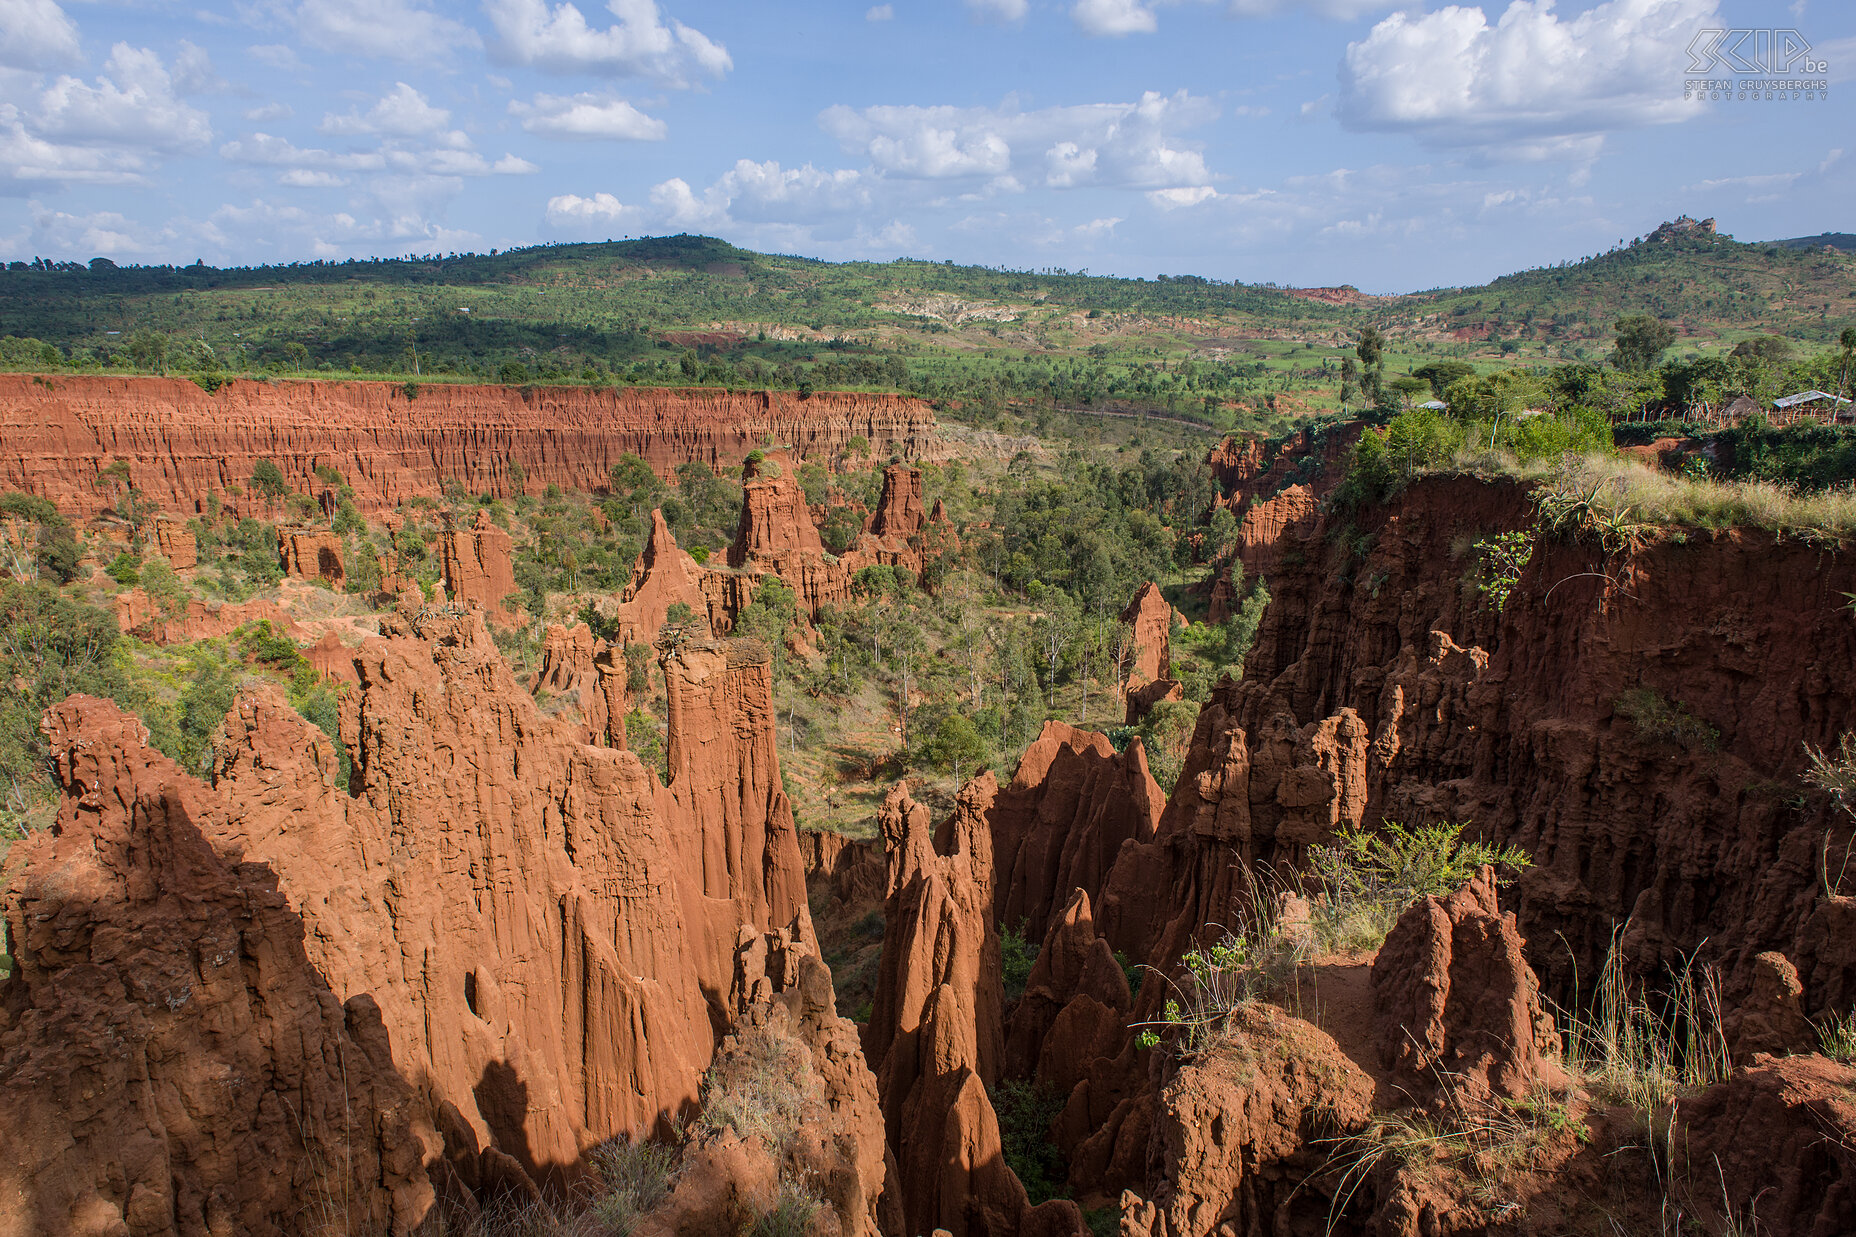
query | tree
(956,741)
(1440,374)
(267,480)
(1641,342)
(298,354)
(1407,387)
(1848,341)
(1372,353)
(149,350)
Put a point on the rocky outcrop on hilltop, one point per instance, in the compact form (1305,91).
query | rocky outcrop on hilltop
(311,554)
(181,443)
(776,538)
(1150,618)
(549,943)
(585,671)
(1251,467)
(173,1060)
(477,565)
(662,576)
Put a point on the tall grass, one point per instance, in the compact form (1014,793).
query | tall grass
(1646,1054)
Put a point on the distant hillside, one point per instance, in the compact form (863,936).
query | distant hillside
(1716,289)
(1845,241)
(696,310)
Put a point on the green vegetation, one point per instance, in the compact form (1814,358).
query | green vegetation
(1016,958)
(1657,719)
(1026,1111)
(634,1177)
(1644,1051)
(1362,882)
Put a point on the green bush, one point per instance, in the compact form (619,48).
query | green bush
(1654,717)
(124,570)
(1025,1111)
(1368,877)
(1016,958)
(760,1086)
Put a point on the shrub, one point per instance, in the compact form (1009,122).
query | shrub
(634,1177)
(791,1215)
(1662,720)
(1016,958)
(124,570)
(760,1088)
(1026,1110)
(1645,1055)
(1367,878)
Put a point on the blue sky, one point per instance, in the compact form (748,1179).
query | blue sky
(1306,142)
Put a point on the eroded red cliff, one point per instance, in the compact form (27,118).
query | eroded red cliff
(182,443)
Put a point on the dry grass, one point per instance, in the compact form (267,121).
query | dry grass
(1623,494)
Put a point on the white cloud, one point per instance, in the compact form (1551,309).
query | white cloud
(28,160)
(588,116)
(132,104)
(999,10)
(399,29)
(1101,144)
(265,149)
(880,12)
(194,72)
(101,234)
(1186,195)
(304,178)
(1530,86)
(572,210)
(270,111)
(1113,18)
(401,112)
(36,35)
(276,55)
(639,44)
(513,165)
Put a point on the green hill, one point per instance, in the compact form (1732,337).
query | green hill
(1715,289)
(693,309)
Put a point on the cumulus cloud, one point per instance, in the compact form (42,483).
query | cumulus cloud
(880,12)
(763,193)
(1114,17)
(270,111)
(27,160)
(1530,86)
(397,29)
(588,116)
(133,103)
(401,112)
(36,35)
(1100,144)
(304,178)
(639,44)
(570,210)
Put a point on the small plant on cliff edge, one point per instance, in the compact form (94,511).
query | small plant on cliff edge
(1836,1035)
(1501,560)
(1368,877)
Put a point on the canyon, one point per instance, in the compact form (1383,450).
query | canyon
(504,942)
(392,442)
